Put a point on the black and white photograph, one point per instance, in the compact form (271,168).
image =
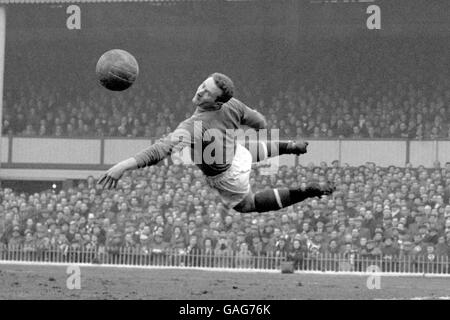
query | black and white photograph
(203,150)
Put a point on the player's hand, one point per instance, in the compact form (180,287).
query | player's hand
(303,145)
(298,147)
(110,179)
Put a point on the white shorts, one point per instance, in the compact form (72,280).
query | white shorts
(234,184)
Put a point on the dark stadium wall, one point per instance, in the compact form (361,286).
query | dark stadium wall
(263,38)
(291,20)
(30,187)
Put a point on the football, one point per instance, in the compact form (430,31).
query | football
(117,70)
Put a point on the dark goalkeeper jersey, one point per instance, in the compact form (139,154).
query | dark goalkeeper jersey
(210,133)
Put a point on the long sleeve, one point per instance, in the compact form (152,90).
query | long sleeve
(175,141)
(251,117)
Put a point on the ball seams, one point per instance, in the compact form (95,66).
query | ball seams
(117,69)
(130,74)
(119,77)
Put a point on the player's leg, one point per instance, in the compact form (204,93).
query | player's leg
(261,150)
(234,188)
(275,199)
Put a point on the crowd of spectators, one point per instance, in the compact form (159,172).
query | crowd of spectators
(404,112)
(382,90)
(375,212)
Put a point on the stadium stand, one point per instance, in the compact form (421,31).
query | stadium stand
(404,97)
(377,213)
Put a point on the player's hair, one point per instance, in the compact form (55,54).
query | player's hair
(225,84)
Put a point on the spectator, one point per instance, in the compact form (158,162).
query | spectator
(158,246)
(193,251)
(389,250)
(442,249)
(223,253)
(16,239)
(29,244)
(208,248)
(244,257)
(178,240)
(297,254)
(282,248)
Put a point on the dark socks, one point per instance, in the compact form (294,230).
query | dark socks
(275,199)
(275,148)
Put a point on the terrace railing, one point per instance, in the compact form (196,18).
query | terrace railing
(227,259)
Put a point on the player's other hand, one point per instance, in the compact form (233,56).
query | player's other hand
(110,179)
(298,147)
(303,145)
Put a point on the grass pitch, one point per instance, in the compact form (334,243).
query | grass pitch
(49,282)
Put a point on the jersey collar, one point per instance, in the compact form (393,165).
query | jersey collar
(209,106)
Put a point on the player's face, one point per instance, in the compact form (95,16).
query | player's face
(207,92)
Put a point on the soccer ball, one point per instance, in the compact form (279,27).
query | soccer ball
(117,70)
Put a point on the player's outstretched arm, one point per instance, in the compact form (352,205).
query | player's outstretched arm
(147,157)
(111,177)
